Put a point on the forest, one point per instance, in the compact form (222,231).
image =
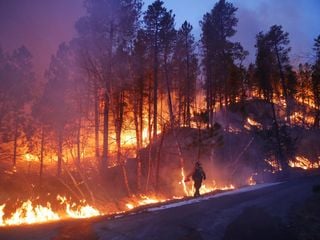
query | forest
(127,107)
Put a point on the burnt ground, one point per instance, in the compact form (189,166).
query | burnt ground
(289,210)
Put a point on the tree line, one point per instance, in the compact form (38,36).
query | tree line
(133,71)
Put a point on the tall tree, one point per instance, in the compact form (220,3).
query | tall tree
(60,111)
(268,68)
(154,17)
(16,84)
(186,66)
(218,27)
(109,25)
(316,82)
(279,41)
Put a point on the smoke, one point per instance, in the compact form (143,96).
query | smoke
(299,19)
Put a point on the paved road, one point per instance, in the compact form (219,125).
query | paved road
(205,219)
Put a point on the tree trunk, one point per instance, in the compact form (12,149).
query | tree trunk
(155,87)
(96,122)
(188,104)
(158,160)
(60,141)
(79,143)
(104,162)
(280,158)
(149,136)
(15,143)
(41,154)
(284,87)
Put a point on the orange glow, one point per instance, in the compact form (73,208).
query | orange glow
(251,122)
(251,180)
(30,157)
(304,163)
(142,200)
(29,213)
(75,211)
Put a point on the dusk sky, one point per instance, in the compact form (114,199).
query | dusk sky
(41,25)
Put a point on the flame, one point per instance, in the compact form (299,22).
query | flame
(304,163)
(206,188)
(251,180)
(250,122)
(75,211)
(28,213)
(30,157)
(142,200)
(274,165)
(183,181)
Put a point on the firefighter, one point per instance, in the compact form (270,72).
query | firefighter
(197,176)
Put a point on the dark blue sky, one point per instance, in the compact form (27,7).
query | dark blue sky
(42,24)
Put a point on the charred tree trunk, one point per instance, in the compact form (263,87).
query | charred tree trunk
(283,84)
(280,155)
(15,143)
(138,120)
(96,122)
(138,146)
(118,115)
(155,87)
(149,136)
(158,160)
(41,154)
(181,160)
(188,99)
(79,143)
(60,142)
(104,161)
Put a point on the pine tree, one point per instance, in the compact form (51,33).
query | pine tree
(316,82)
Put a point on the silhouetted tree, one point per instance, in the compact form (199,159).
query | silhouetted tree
(186,71)
(17,83)
(220,53)
(316,82)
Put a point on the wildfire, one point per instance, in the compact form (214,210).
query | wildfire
(207,188)
(251,180)
(250,122)
(75,211)
(304,163)
(274,164)
(30,157)
(28,213)
(142,200)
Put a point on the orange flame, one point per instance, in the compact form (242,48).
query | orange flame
(27,213)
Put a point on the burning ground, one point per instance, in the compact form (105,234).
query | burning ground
(232,157)
(130,104)
(263,211)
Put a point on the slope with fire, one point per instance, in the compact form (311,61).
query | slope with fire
(129,105)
